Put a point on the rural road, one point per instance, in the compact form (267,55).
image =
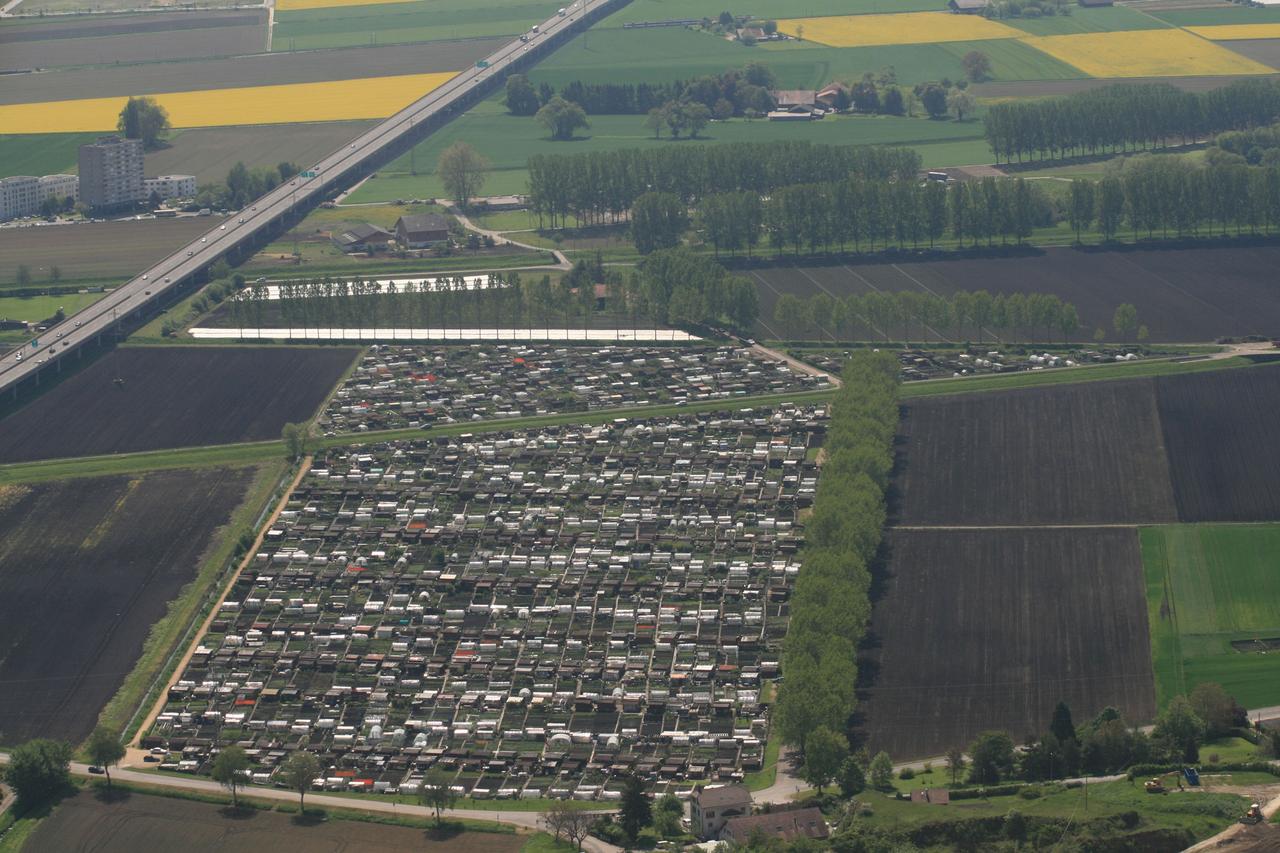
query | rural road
(796,364)
(561,261)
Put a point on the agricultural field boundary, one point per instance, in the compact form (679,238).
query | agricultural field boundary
(158,692)
(167,636)
(249,452)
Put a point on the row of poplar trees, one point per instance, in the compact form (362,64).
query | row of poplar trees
(831,605)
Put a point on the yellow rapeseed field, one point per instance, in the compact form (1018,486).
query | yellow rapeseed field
(296,5)
(1146,53)
(902,28)
(337,100)
(1232,32)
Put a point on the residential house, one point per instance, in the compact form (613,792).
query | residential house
(712,807)
(783,825)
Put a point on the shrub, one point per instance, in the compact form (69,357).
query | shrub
(907,773)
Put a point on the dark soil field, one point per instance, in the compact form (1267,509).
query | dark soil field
(985,629)
(1266,51)
(143,822)
(86,567)
(1070,454)
(209,153)
(96,251)
(263,69)
(131,38)
(1220,431)
(174,397)
(1182,295)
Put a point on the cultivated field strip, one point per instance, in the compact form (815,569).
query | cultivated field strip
(152,398)
(1182,295)
(86,568)
(991,629)
(1074,454)
(314,66)
(1220,432)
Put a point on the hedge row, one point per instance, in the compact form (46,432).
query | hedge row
(830,607)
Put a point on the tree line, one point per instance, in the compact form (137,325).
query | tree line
(870,214)
(1125,117)
(1171,196)
(243,185)
(830,607)
(676,286)
(908,315)
(601,186)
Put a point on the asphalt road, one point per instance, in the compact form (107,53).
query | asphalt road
(43,351)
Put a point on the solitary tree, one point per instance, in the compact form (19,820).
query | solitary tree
(824,752)
(1125,320)
(522,99)
(955,763)
(562,117)
(977,66)
(852,779)
(436,793)
(882,771)
(635,811)
(1179,730)
(295,441)
(38,770)
(23,276)
(960,102)
(992,758)
(1061,726)
(666,815)
(143,118)
(105,750)
(462,171)
(564,820)
(298,773)
(230,768)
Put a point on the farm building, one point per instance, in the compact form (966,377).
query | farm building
(534,612)
(784,115)
(1095,3)
(968,7)
(362,238)
(421,230)
(795,99)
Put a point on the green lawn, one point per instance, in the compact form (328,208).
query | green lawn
(34,308)
(397,23)
(41,153)
(1201,812)
(508,141)
(1219,15)
(1106,19)
(1208,585)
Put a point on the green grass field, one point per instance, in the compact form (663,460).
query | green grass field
(1219,15)
(1108,19)
(1208,585)
(669,10)
(398,23)
(41,153)
(508,141)
(33,308)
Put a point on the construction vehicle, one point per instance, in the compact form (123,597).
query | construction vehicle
(1155,786)
(1253,815)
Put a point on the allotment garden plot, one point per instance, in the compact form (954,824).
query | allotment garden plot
(533,612)
(86,567)
(417,386)
(152,398)
(983,629)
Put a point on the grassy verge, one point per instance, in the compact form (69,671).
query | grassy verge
(544,843)
(146,678)
(768,774)
(152,460)
(329,264)
(1032,379)
(247,800)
